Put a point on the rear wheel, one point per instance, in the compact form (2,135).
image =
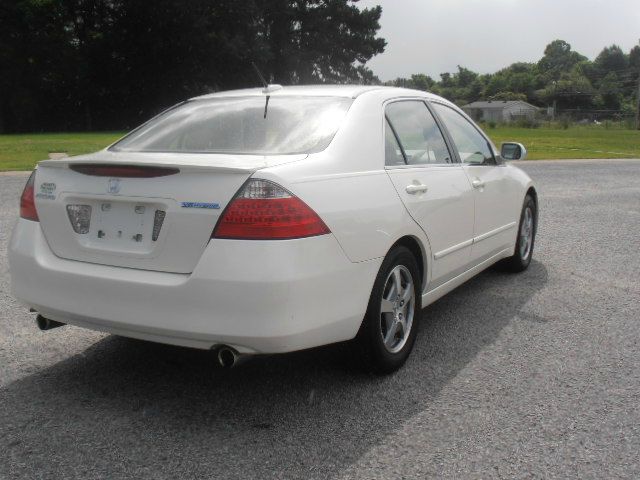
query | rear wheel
(389,328)
(526,238)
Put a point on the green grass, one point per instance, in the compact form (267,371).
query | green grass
(21,152)
(575,142)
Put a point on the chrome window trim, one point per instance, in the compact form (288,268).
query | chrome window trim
(425,165)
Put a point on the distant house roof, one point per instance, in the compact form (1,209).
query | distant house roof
(482,104)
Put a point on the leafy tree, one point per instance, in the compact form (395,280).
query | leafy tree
(464,77)
(319,40)
(610,97)
(365,76)
(497,84)
(447,80)
(562,76)
(634,58)
(99,64)
(572,90)
(417,81)
(558,58)
(422,82)
(476,90)
(509,96)
(611,59)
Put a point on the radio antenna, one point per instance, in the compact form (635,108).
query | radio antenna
(260,76)
(266,88)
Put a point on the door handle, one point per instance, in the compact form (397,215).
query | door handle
(416,188)
(477,183)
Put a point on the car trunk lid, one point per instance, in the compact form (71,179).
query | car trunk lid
(139,210)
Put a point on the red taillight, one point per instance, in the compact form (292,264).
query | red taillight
(27,201)
(263,210)
(123,171)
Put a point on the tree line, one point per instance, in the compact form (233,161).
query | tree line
(110,64)
(562,76)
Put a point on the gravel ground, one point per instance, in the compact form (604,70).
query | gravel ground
(529,375)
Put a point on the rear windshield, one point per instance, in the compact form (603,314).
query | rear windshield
(240,125)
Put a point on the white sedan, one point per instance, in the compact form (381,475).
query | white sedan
(271,220)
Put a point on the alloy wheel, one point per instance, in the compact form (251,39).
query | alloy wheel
(526,234)
(397,308)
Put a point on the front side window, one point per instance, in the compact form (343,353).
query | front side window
(472,147)
(419,135)
(242,125)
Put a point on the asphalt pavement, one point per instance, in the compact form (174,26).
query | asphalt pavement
(532,375)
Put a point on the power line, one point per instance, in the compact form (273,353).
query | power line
(593,94)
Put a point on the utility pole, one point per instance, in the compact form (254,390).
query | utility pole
(638,104)
(555,100)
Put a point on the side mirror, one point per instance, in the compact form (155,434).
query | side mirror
(513,151)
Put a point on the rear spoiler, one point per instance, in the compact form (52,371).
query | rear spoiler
(184,162)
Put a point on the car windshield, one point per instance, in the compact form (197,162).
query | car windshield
(242,125)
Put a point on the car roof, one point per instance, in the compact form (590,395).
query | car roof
(349,91)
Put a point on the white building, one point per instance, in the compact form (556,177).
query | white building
(500,110)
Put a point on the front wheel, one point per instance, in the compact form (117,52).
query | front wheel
(389,328)
(526,237)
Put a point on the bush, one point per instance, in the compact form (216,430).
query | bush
(492,124)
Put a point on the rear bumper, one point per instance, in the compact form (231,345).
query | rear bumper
(257,296)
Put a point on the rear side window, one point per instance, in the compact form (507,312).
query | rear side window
(420,137)
(472,147)
(242,125)
(392,151)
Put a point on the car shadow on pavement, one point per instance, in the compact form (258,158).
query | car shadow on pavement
(131,409)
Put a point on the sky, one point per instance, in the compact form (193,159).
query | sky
(434,36)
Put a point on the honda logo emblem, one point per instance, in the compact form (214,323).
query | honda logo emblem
(113,185)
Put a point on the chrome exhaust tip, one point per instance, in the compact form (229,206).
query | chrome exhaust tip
(229,357)
(47,324)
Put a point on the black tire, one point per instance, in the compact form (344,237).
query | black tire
(369,345)
(522,257)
